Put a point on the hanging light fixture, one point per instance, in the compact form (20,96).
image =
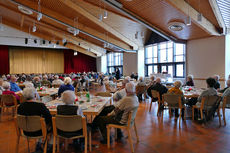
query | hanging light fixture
(188,20)
(76,32)
(34,28)
(100,17)
(199,15)
(105,14)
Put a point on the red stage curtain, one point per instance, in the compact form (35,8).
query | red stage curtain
(79,63)
(4,60)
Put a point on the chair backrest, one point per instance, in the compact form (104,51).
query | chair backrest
(46,99)
(103,94)
(80,93)
(140,89)
(226,101)
(68,123)
(8,99)
(29,123)
(132,116)
(173,100)
(209,101)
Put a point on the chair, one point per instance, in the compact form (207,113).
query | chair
(80,93)
(141,90)
(130,123)
(173,101)
(103,94)
(69,123)
(30,124)
(206,104)
(155,94)
(225,104)
(6,101)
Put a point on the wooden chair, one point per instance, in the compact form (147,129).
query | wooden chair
(81,93)
(173,101)
(206,104)
(30,124)
(131,122)
(141,90)
(7,101)
(155,94)
(225,104)
(69,123)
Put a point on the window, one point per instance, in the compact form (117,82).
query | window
(114,60)
(165,57)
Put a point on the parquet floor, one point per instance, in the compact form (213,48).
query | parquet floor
(156,136)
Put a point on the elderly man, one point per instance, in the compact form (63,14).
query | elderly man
(158,87)
(227,89)
(217,84)
(45,82)
(13,84)
(121,93)
(139,86)
(57,81)
(120,114)
(228,85)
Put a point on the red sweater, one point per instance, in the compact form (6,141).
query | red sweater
(11,93)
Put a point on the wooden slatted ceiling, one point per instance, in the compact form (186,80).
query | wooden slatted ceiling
(125,26)
(160,13)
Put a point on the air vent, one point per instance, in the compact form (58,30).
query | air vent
(25,10)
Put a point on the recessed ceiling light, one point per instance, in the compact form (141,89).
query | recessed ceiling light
(25,10)
(176,26)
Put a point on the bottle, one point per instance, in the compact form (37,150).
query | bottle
(88,97)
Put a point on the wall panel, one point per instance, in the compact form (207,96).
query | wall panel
(36,60)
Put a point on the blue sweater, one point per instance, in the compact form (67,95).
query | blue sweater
(63,88)
(14,87)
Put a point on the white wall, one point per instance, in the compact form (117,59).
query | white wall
(129,63)
(102,64)
(206,57)
(141,62)
(227,56)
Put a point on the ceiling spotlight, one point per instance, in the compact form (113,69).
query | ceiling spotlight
(39,16)
(35,41)
(43,42)
(75,53)
(176,26)
(76,32)
(57,43)
(188,21)
(34,28)
(105,14)
(100,17)
(199,17)
(50,42)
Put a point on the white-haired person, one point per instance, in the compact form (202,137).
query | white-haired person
(45,82)
(31,85)
(227,89)
(121,93)
(6,87)
(33,108)
(120,114)
(14,85)
(217,84)
(176,90)
(37,82)
(66,86)
(189,81)
(228,85)
(139,86)
(57,81)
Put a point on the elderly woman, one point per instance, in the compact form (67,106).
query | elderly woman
(66,86)
(139,88)
(13,84)
(176,90)
(37,82)
(57,81)
(6,86)
(45,82)
(189,81)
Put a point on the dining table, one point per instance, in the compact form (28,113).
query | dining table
(47,92)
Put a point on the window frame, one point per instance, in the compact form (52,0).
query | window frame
(113,64)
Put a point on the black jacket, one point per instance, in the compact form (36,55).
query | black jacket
(158,87)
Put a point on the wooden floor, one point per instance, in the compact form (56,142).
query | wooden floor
(156,136)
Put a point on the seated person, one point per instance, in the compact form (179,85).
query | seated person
(228,85)
(13,84)
(66,86)
(68,97)
(152,81)
(77,84)
(158,87)
(176,90)
(189,81)
(217,84)
(140,83)
(122,92)
(120,114)
(227,89)
(45,82)
(211,91)
(6,86)
(37,82)
(132,76)
(57,81)
(31,108)
(1,88)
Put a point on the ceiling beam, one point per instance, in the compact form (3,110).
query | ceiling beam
(46,37)
(94,19)
(186,9)
(81,26)
(217,13)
